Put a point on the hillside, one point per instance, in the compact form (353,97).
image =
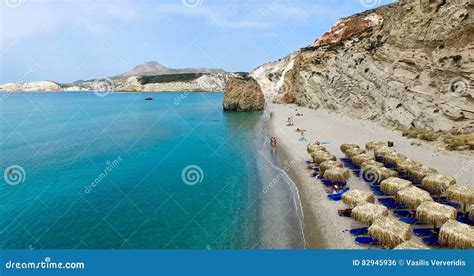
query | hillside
(406,65)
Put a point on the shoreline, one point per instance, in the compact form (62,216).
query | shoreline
(323,228)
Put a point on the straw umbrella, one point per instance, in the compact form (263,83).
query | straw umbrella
(461,194)
(390,232)
(457,235)
(329,164)
(336,174)
(355,197)
(381,152)
(353,152)
(413,197)
(409,245)
(435,213)
(403,165)
(369,212)
(375,175)
(320,158)
(416,174)
(437,183)
(374,144)
(361,158)
(371,163)
(392,185)
(391,159)
(313,147)
(345,147)
(317,153)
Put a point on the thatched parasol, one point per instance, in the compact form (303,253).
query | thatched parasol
(391,159)
(318,159)
(329,164)
(355,197)
(435,213)
(390,232)
(313,147)
(336,174)
(369,212)
(457,235)
(392,185)
(403,165)
(371,163)
(345,147)
(353,152)
(409,245)
(383,151)
(437,183)
(413,196)
(461,194)
(374,144)
(374,175)
(416,174)
(361,158)
(317,153)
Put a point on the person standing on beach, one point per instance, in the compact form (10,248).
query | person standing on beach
(273,143)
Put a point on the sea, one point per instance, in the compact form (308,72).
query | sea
(114,170)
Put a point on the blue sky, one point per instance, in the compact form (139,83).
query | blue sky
(67,40)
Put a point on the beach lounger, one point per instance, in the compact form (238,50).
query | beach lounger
(387,200)
(465,220)
(442,199)
(452,204)
(337,196)
(425,232)
(356,173)
(403,213)
(359,231)
(379,193)
(366,240)
(394,205)
(411,220)
(431,241)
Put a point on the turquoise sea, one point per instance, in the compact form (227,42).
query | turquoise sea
(83,171)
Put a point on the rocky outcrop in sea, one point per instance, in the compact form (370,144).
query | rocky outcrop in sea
(243,94)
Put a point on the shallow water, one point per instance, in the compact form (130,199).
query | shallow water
(122,172)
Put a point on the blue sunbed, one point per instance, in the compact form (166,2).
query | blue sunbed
(425,232)
(409,220)
(465,220)
(452,204)
(394,205)
(338,195)
(403,213)
(366,240)
(359,231)
(386,200)
(380,193)
(431,241)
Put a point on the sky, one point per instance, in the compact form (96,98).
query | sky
(69,40)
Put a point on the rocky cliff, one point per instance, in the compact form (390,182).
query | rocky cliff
(408,64)
(243,94)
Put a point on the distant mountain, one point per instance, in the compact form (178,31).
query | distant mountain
(149,76)
(153,68)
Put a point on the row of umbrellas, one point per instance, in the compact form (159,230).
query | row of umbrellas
(389,231)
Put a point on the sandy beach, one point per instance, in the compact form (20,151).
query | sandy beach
(323,228)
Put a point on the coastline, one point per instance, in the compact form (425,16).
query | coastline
(323,228)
